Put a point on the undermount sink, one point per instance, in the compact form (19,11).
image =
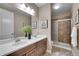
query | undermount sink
(5,41)
(37,36)
(19,42)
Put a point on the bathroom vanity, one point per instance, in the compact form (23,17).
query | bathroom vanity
(26,47)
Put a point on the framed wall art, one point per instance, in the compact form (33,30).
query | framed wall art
(34,25)
(44,24)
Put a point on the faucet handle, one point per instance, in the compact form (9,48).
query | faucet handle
(12,33)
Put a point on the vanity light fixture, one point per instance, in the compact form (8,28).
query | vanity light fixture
(22,6)
(27,9)
(30,10)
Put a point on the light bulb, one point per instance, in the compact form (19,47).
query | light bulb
(56,7)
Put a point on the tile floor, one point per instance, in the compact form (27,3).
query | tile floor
(61,49)
(56,51)
(75,51)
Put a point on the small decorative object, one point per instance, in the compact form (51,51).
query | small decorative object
(24,30)
(34,25)
(44,24)
(29,31)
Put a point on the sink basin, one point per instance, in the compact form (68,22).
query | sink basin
(19,42)
(37,36)
(5,41)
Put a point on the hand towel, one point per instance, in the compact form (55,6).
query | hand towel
(74,36)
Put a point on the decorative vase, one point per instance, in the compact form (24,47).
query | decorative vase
(29,36)
(25,34)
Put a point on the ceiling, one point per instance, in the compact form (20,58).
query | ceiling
(40,4)
(64,7)
(12,7)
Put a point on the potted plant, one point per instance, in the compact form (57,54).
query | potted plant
(29,31)
(24,30)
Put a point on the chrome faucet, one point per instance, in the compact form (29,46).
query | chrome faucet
(14,38)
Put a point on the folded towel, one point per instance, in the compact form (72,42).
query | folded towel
(74,36)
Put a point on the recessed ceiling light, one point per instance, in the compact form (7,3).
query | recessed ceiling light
(56,7)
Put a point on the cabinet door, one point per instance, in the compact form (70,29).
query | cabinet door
(41,47)
(32,52)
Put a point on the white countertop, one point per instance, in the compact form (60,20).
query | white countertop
(13,46)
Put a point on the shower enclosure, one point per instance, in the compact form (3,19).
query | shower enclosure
(61,31)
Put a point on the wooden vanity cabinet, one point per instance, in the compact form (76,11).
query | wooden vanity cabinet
(41,47)
(36,49)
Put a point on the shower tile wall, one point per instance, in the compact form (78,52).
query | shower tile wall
(64,31)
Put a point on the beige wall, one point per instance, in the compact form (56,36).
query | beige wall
(19,21)
(75,8)
(35,18)
(62,15)
(44,13)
